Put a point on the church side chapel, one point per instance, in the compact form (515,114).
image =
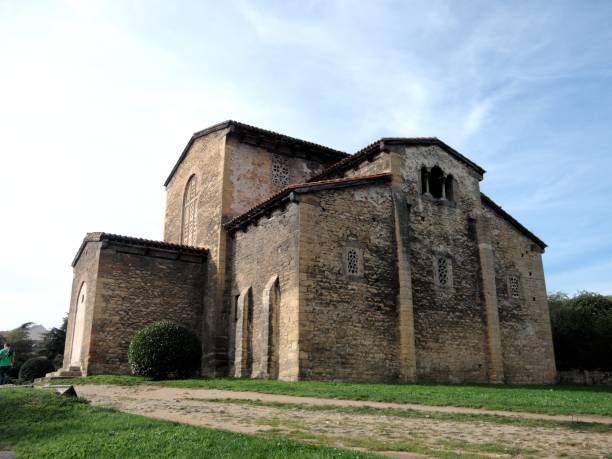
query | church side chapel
(294,261)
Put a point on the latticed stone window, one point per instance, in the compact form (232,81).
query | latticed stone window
(188,227)
(443,271)
(515,288)
(280,171)
(352,262)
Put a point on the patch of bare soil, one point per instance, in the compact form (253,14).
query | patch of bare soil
(388,435)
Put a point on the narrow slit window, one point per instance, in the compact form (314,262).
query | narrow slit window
(188,230)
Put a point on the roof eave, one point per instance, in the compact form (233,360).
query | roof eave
(239,128)
(513,221)
(428,141)
(196,135)
(160,245)
(382,145)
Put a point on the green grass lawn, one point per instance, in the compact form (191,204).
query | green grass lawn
(38,423)
(537,399)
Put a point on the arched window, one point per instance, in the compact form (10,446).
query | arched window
(243,342)
(270,332)
(275,302)
(424,180)
(188,227)
(436,182)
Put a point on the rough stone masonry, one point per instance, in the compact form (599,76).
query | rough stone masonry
(292,260)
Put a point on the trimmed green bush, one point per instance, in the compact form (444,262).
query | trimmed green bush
(165,350)
(36,367)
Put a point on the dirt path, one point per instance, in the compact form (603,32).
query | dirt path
(390,435)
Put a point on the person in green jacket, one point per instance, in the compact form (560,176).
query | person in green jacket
(7,360)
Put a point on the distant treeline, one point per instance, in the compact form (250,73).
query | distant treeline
(582,331)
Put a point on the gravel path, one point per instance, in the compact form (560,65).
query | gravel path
(393,436)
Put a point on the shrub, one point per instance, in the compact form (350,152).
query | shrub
(36,367)
(58,361)
(165,350)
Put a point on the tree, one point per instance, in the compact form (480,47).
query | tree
(582,330)
(53,344)
(22,345)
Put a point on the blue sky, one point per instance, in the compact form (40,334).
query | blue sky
(97,100)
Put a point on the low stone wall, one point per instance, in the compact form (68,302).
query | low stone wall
(585,377)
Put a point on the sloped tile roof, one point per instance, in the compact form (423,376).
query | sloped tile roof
(100,236)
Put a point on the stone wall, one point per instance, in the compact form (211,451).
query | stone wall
(375,165)
(85,272)
(266,251)
(449,321)
(249,175)
(348,323)
(205,160)
(137,286)
(232,177)
(526,335)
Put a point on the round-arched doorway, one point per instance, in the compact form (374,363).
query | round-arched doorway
(79,327)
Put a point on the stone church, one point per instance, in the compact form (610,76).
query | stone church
(294,261)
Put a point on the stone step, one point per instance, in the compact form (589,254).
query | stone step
(72,372)
(69,374)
